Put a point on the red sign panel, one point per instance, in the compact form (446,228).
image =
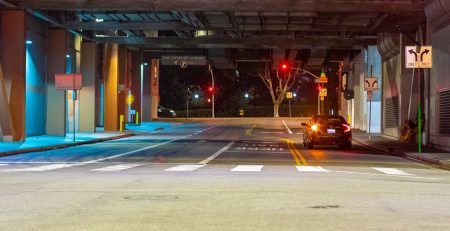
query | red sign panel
(68,81)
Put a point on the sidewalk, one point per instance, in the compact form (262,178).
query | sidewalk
(408,150)
(43,143)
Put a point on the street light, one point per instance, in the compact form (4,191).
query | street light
(246,95)
(196,96)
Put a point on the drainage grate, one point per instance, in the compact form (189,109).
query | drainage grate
(444,112)
(391,109)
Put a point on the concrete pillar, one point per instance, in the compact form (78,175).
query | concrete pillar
(111,79)
(87,96)
(136,81)
(146,90)
(56,99)
(123,90)
(12,60)
(154,89)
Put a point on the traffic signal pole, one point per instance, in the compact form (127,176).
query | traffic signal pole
(213,90)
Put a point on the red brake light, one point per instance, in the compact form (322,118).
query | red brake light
(347,128)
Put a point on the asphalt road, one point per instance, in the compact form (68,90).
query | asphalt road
(226,174)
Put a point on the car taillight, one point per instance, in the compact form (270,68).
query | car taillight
(347,128)
(315,127)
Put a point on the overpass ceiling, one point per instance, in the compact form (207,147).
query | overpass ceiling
(234,23)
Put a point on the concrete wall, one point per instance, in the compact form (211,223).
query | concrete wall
(439,81)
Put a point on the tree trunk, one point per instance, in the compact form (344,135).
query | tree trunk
(275,110)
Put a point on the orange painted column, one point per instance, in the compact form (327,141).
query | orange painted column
(12,60)
(154,88)
(123,89)
(111,80)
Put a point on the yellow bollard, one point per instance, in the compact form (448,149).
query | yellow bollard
(137,117)
(122,118)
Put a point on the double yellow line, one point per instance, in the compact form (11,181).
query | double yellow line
(298,157)
(250,130)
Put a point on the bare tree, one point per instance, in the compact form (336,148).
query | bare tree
(278,83)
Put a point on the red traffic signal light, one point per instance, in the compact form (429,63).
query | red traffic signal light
(284,66)
(210,89)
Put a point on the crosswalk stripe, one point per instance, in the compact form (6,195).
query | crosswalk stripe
(184,168)
(42,168)
(391,171)
(3,164)
(311,169)
(247,168)
(116,168)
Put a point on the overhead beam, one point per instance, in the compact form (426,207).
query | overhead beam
(114,25)
(387,6)
(260,42)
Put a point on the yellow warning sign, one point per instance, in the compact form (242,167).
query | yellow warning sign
(323,92)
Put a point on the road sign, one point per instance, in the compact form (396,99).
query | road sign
(322,98)
(370,84)
(132,112)
(68,81)
(183,60)
(323,79)
(289,95)
(323,92)
(369,95)
(418,57)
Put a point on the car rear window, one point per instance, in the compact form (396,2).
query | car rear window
(329,120)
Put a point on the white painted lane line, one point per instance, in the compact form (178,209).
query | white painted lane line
(272,132)
(375,174)
(392,171)
(289,130)
(42,168)
(213,156)
(247,168)
(3,164)
(130,152)
(116,168)
(184,168)
(311,169)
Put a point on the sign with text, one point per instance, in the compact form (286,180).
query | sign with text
(371,84)
(418,57)
(68,81)
(183,60)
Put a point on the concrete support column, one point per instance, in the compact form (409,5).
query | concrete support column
(89,56)
(56,99)
(13,86)
(123,90)
(111,79)
(136,82)
(146,90)
(154,89)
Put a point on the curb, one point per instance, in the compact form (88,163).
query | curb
(61,146)
(405,155)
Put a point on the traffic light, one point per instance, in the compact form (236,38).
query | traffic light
(284,67)
(211,89)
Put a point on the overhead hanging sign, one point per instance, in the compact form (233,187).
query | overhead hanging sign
(371,84)
(68,81)
(183,60)
(418,57)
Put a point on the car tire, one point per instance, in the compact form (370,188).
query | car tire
(346,145)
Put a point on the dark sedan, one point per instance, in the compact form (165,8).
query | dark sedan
(327,130)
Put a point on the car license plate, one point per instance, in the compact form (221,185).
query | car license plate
(331,131)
